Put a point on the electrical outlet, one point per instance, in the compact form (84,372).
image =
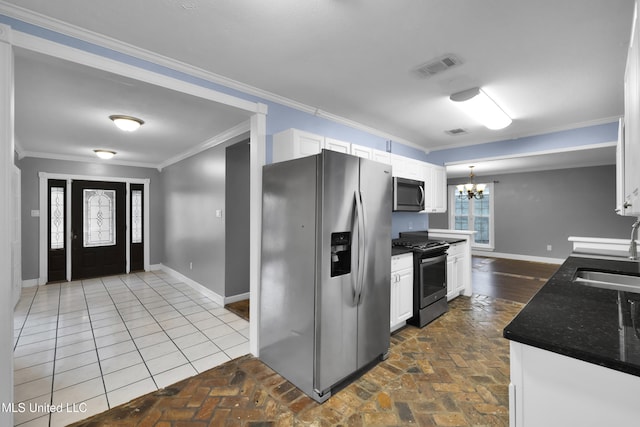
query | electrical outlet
(549,248)
(190,266)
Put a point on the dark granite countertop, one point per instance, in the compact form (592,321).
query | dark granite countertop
(580,321)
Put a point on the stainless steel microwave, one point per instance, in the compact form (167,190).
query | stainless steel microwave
(408,195)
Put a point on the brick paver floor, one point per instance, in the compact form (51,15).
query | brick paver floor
(453,372)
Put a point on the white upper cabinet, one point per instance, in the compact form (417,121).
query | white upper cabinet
(620,193)
(360,151)
(631,149)
(337,145)
(381,156)
(435,187)
(294,143)
(405,167)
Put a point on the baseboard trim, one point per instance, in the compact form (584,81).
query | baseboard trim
(518,257)
(155,267)
(30,283)
(236,298)
(218,299)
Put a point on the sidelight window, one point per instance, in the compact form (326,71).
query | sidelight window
(57,219)
(136,216)
(99,225)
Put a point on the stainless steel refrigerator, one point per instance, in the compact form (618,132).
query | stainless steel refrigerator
(325,284)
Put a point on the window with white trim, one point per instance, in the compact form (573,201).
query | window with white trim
(473,214)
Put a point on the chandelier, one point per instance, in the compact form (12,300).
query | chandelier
(473,190)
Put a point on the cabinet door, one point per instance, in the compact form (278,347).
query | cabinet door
(381,156)
(458,284)
(405,167)
(405,294)
(452,272)
(428,177)
(620,194)
(435,188)
(294,143)
(393,309)
(632,125)
(337,145)
(360,151)
(439,186)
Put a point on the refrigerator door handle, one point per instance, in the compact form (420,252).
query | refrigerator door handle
(362,244)
(355,271)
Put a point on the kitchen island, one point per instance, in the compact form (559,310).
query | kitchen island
(575,354)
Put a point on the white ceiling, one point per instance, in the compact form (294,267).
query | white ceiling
(597,155)
(63,109)
(550,64)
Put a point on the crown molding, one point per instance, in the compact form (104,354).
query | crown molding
(100,40)
(86,159)
(210,143)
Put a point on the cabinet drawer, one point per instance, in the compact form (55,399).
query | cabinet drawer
(398,262)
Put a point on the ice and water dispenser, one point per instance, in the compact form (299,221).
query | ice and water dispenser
(340,253)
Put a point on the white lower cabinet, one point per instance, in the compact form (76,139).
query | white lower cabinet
(458,260)
(401,290)
(456,270)
(551,390)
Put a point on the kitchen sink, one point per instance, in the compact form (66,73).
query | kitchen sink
(614,281)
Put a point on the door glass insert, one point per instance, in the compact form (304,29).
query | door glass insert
(136,216)
(99,228)
(57,217)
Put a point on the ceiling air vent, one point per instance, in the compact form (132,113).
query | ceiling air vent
(456,132)
(438,65)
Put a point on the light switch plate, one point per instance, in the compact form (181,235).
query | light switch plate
(35,213)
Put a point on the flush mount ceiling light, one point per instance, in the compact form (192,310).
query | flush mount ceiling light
(126,123)
(105,154)
(480,107)
(473,190)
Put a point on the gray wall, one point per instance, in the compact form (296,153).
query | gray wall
(194,236)
(194,189)
(536,209)
(30,168)
(237,219)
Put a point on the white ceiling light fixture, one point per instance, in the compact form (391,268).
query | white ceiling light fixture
(105,154)
(126,123)
(480,107)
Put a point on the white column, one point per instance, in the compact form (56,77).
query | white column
(257,160)
(6,198)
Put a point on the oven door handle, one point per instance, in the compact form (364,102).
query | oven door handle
(433,260)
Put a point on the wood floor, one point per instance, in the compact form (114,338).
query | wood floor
(453,372)
(509,279)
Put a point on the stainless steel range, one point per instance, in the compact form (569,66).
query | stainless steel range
(429,276)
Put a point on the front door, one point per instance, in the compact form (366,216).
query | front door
(98,229)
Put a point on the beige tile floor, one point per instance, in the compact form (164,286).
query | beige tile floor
(99,343)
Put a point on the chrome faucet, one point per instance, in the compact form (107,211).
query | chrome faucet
(633,246)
